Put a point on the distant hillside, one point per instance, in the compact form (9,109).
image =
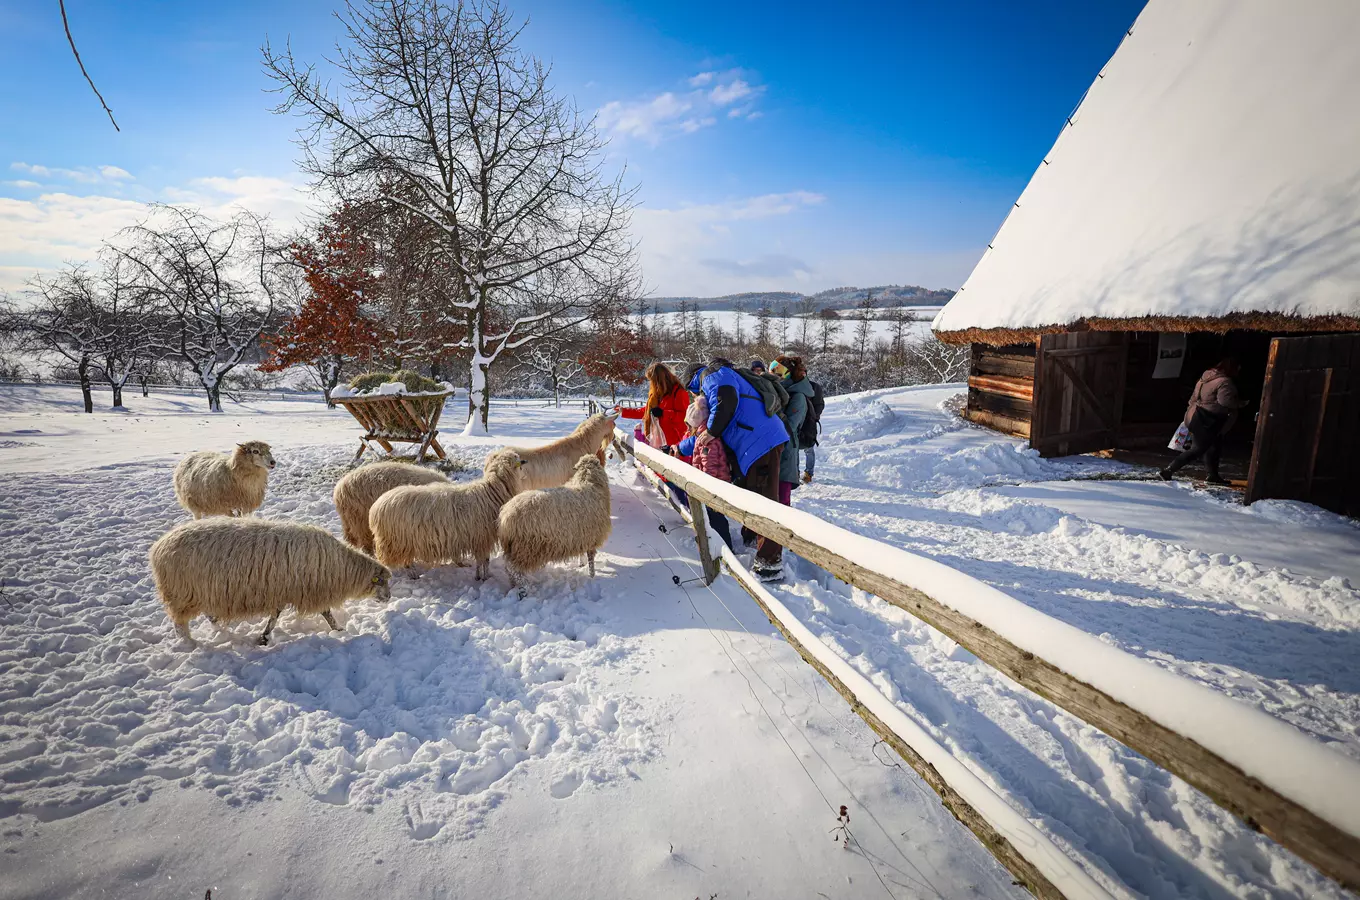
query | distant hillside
(835,298)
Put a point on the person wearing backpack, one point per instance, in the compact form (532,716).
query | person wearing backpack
(754,438)
(812,426)
(795,381)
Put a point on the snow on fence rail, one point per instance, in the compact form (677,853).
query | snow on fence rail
(1279,780)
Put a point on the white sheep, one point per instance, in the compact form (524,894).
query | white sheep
(442,523)
(233,569)
(539,527)
(551,465)
(217,484)
(356,493)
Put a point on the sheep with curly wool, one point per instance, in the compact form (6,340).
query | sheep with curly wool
(220,484)
(441,523)
(551,465)
(539,527)
(230,569)
(356,493)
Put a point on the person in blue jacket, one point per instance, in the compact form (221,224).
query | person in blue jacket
(754,439)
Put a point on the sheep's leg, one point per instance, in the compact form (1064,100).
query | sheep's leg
(590,562)
(269,626)
(483,568)
(182,628)
(330,619)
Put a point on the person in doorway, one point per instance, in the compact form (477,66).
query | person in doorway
(663,418)
(791,370)
(1212,411)
(755,441)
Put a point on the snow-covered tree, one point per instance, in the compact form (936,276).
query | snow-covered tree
(442,114)
(215,284)
(330,331)
(96,319)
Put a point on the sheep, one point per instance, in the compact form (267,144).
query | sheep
(355,494)
(439,523)
(215,484)
(234,569)
(539,527)
(551,465)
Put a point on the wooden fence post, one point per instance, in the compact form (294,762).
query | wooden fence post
(696,512)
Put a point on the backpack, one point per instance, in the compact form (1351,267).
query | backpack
(770,390)
(812,422)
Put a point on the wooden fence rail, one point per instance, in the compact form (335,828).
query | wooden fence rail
(1275,778)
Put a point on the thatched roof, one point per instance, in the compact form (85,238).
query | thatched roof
(1209,180)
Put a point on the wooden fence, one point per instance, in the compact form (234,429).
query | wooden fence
(1323,829)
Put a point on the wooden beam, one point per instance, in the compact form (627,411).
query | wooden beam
(1018,387)
(1333,851)
(700,523)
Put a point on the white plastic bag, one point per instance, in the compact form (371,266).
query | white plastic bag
(1181,440)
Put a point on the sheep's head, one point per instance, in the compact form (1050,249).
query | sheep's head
(589,469)
(504,466)
(599,427)
(382,583)
(257,453)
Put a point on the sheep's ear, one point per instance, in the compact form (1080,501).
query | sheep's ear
(613,417)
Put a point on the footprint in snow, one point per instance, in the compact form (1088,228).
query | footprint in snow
(565,785)
(422,826)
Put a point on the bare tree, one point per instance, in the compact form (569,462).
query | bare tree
(864,327)
(738,318)
(216,284)
(932,361)
(94,319)
(761,335)
(65,321)
(829,329)
(806,307)
(449,119)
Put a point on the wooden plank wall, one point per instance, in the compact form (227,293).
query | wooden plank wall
(1001,387)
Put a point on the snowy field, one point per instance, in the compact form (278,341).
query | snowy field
(625,736)
(726,320)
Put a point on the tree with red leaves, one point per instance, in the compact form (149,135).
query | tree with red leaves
(617,355)
(330,330)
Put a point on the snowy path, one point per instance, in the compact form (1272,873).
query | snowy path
(614,737)
(898,468)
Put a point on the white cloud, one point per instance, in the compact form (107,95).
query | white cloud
(82,175)
(718,248)
(23,183)
(670,113)
(38,234)
(725,94)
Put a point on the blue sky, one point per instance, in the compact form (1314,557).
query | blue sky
(776,145)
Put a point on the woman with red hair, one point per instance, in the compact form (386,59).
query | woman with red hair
(663,418)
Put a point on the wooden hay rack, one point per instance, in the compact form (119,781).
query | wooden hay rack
(398,418)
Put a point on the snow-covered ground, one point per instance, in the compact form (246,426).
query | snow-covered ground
(602,738)
(625,736)
(1256,602)
(726,320)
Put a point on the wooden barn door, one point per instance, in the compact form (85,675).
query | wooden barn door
(1078,391)
(1308,431)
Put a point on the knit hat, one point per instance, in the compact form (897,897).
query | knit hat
(757,365)
(690,371)
(697,414)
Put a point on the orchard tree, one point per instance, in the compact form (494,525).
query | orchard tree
(441,113)
(214,284)
(330,330)
(617,355)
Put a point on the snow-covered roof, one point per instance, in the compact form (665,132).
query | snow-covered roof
(1213,169)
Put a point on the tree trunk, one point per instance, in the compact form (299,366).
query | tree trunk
(330,381)
(117,394)
(84,370)
(145,390)
(215,397)
(479,395)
